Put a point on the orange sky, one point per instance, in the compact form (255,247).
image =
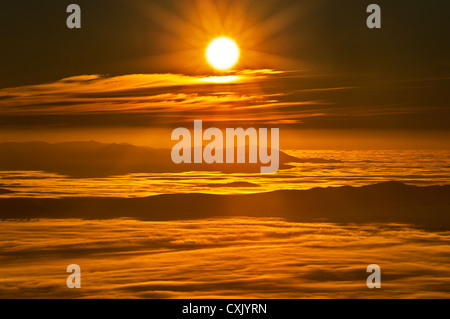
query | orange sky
(311,68)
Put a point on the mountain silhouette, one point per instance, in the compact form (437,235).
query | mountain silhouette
(389,202)
(93,159)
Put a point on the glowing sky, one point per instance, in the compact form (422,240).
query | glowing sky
(310,65)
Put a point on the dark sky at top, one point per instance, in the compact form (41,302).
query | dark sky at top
(37,46)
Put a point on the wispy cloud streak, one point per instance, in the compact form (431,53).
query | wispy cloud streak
(168,97)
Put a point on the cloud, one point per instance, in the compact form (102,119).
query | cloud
(167,98)
(249,97)
(227,258)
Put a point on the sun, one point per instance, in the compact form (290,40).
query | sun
(222,53)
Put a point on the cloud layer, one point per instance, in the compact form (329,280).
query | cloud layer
(295,99)
(232,258)
(161,98)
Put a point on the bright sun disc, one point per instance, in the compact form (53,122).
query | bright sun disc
(222,53)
